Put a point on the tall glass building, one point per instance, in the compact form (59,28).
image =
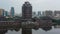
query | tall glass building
(12,12)
(6,13)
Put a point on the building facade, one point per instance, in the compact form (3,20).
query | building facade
(1,12)
(39,13)
(43,13)
(6,13)
(12,12)
(48,13)
(56,12)
(33,14)
(26,11)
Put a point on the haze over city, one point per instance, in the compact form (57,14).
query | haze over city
(29,17)
(39,5)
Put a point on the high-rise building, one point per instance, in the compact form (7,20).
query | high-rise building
(39,13)
(6,13)
(43,13)
(33,14)
(27,10)
(56,12)
(1,12)
(48,13)
(12,12)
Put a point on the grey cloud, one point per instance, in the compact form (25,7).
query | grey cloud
(37,4)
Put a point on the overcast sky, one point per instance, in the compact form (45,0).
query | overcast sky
(38,5)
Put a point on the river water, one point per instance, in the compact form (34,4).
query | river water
(39,31)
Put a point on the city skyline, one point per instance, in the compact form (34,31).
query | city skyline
(39,5)
(29,17)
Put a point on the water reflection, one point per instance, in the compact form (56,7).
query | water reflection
(47,28)
(4,30)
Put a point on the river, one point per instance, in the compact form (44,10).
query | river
(39,31)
